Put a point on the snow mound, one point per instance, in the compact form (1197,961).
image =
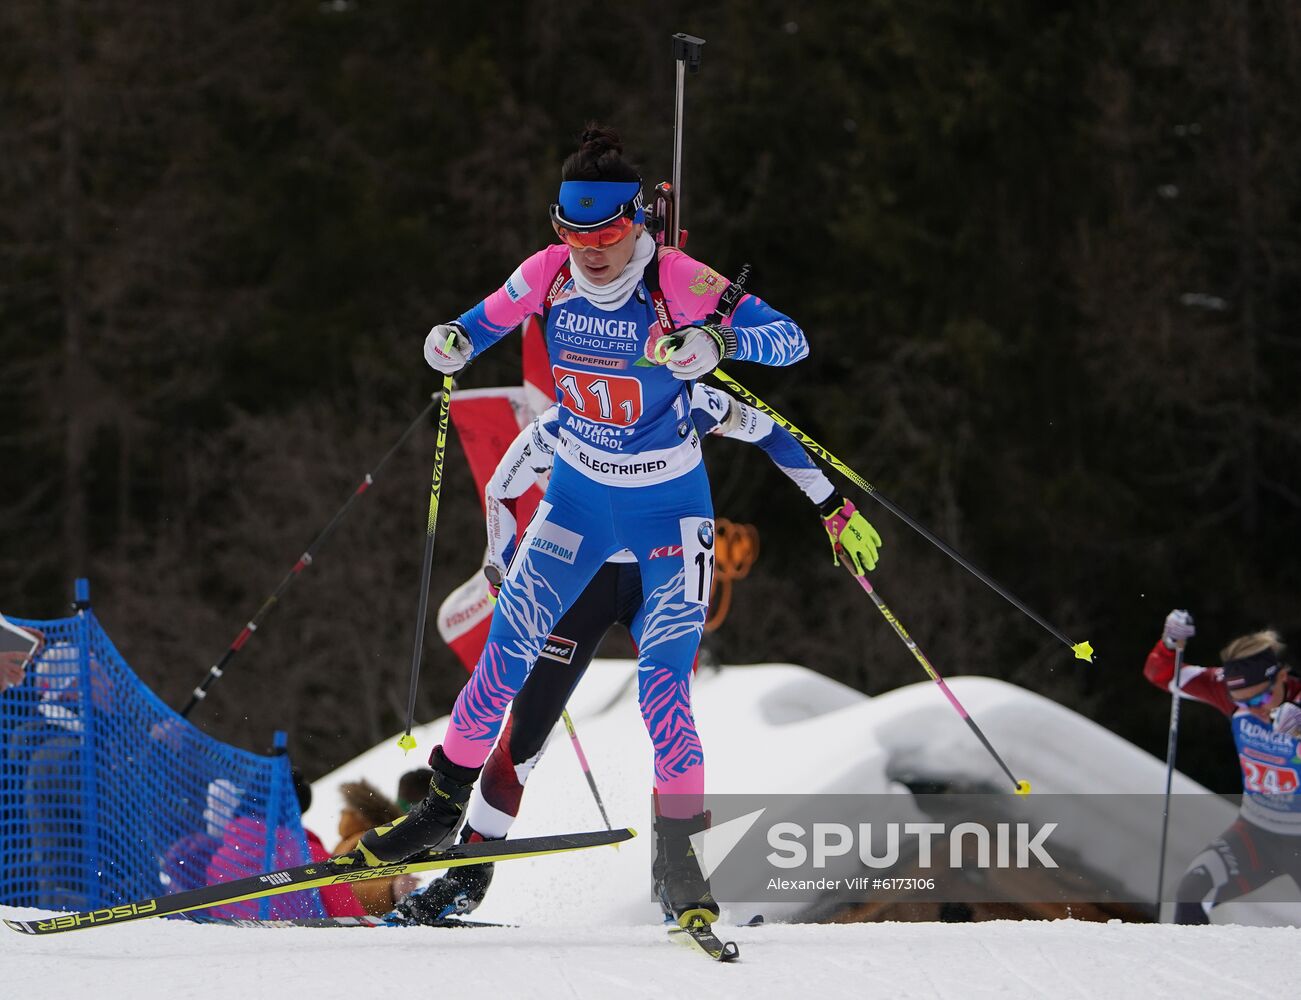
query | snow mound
(776,729)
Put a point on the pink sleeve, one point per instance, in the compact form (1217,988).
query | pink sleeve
(691,288)
(524,292)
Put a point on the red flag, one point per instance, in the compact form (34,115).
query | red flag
(464,617)
(486,421)
(539,388)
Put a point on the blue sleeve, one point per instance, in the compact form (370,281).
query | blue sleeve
(765,335)
(483,333)
(709,408)
(712,410)
(787,454)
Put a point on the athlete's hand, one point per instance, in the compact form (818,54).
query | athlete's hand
(447,348)
(1288,720)
(695,351)
(851,535)
(1178,629)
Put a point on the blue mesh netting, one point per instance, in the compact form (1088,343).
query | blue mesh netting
(107,795)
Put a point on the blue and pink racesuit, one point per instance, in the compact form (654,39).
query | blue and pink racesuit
(628,475)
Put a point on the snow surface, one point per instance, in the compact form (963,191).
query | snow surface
(588,927)
(172,960)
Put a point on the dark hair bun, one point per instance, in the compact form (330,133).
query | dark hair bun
(599,157)
(597,140)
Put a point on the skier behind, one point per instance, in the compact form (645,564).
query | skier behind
(1255,690)
(614,595)
(628,326)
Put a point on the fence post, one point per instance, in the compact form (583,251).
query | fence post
(280,756)
(88,783)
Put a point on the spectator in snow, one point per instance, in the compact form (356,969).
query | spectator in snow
(50,752)
(242,853)
(1256,690)
(339,900)
(364,808)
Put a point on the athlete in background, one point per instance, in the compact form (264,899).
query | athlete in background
(1255,689)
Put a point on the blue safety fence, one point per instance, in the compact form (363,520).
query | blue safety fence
(107,795)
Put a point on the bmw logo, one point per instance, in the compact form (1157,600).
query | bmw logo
(682,429)
(706,534)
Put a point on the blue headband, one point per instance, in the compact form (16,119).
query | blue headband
(586,202)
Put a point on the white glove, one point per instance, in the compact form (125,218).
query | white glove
(1178,629)
(447,348)
(1287,720)
(697,355)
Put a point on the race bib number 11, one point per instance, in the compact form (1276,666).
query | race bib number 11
(599,396)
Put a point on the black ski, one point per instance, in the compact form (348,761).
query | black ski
(201,918)
(344,870)
(700,936)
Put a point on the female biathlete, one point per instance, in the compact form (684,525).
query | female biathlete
(628,476)
(1255,689)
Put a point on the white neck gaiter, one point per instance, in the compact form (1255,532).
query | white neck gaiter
(611,296)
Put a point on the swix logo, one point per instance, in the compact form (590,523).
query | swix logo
(559,649)
(662,313)
(561,278)
(665,552)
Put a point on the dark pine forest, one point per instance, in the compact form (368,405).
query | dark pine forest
(1047,256)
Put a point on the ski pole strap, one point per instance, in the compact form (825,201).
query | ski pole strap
(1082,650)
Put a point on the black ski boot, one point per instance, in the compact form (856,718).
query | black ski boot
(431,824)
(456,893)
(680,885)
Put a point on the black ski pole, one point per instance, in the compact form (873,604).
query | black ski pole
(217,669)
(406,741)
(1171,747)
